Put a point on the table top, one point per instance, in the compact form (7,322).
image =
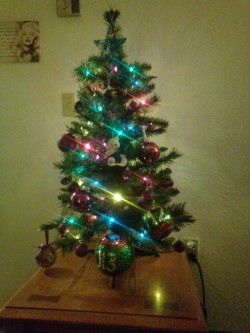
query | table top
(156,292)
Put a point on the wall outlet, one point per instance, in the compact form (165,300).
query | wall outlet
(192,246)
(68,103)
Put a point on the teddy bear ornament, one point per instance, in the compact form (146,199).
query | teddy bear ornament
(113,153)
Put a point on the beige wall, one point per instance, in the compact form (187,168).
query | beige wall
(198,50)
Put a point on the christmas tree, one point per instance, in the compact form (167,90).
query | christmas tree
(117,184)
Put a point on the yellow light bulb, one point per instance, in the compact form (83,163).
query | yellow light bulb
(117,197)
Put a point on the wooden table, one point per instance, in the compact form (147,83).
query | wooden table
(154,295)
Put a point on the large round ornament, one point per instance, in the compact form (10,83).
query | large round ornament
(158,222)
(80,201)
(67,143)
(113,254)
(46,256)
(149,152)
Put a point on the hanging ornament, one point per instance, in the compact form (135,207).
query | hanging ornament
(167,183)
(109,94)
(67,143)
(73,187)
(46,256)
(92,219)
(65,180)
(113,254)
(78,107)
(63,229)
(127,173)
(149,152)
(80,201)
(158,222)
(81,250)
(133,106)
(147,195)
(151,127)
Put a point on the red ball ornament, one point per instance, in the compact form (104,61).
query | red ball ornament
(151,127)
(67,143)
(149,152)
(65,180)
(73,187)
(147,195)
(81,250)
(133,106)
(126,174)
(80,201)
(91,220)
(167,183)
(109,94)
(63,229)
(46,256)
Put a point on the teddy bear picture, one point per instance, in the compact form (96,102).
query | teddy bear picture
(113,153)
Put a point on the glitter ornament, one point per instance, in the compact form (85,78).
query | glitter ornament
(113,254)
(80,201)
(149,152)
(46,256)
(158,222)
(67,143)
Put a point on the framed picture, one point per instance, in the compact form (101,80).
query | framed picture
(67,8)
(19,41)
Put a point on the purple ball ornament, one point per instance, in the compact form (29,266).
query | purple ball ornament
(149,152)
(67,143)
(80,201)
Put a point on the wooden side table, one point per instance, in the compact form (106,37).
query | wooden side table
(154,295)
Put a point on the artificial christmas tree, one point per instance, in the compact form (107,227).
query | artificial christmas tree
(117,181)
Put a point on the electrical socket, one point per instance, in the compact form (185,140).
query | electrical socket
(68,102)
(192,246)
